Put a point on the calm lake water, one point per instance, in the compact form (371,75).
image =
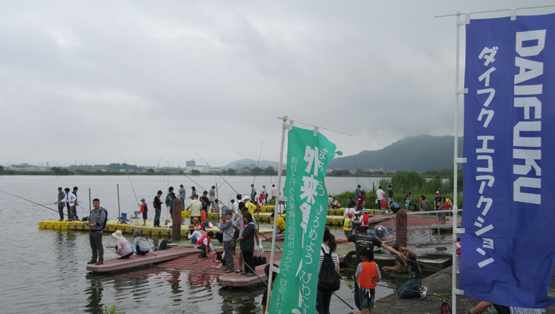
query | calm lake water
(44,271)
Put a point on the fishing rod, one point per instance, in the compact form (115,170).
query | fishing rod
(32,202)
(259,154)
(255,273)
(183,173)
(230,187)
(129,177)
(398,288)
(438,269)
(356,174)
(213,169)
(335,294)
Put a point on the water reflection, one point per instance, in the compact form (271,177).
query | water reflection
(94,294)
(241,301)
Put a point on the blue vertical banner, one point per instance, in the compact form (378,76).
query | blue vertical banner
(508,248)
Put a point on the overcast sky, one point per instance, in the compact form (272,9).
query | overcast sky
(78,79)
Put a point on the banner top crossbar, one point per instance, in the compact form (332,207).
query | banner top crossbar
(500,10)
(317,126)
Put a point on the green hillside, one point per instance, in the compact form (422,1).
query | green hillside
(417,153)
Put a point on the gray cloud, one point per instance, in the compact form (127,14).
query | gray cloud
(77,79)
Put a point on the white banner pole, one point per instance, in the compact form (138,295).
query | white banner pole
(456,162)
(279,200)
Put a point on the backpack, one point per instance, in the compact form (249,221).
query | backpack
(328,278)
(445,307)
(106,220)
(168,201)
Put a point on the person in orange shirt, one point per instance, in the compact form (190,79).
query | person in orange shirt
(367,276)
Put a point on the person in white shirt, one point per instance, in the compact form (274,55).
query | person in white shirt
(69,200)
(379,196)
(274,193)
(194,234)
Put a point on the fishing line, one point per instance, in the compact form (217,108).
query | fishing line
(213,169)
(356,174)
(259,154)
(123,160)
(230,187)
(439,269)
(335,294)
(183,173)
(32,202)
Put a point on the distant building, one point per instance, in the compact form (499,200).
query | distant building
(190,163)
(201,169)
(26,167)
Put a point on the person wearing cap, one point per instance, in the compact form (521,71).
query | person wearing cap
(144,210)
(69,200)
(140,242)
(437,204)
(226,227)
(96,223)
(194,232)
(280,224)
(253,193)
(348,224)
(363,239)
(61,196)
(381,232)
(123,248)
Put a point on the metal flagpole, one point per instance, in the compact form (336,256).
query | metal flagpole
(456,161)
(280,199)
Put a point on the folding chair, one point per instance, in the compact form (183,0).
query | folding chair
(123,219)
(135,217)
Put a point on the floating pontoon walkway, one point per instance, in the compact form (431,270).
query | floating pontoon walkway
(136,260)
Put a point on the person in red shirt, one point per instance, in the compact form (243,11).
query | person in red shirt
(144,210)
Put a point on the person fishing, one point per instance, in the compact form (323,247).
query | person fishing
(74,208)
(123,248)
(246,241)
(239,225)
(140,242)
(194,233)
(144,210)
(96,223)
(157,208)
(229,243)
(413,287)
(61,196)
(69,200)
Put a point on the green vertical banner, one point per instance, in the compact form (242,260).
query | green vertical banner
(308,155)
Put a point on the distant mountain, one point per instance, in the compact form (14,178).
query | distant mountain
(417,153)
(263,164)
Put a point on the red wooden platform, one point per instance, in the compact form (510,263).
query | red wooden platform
(136,260)
(194,263)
